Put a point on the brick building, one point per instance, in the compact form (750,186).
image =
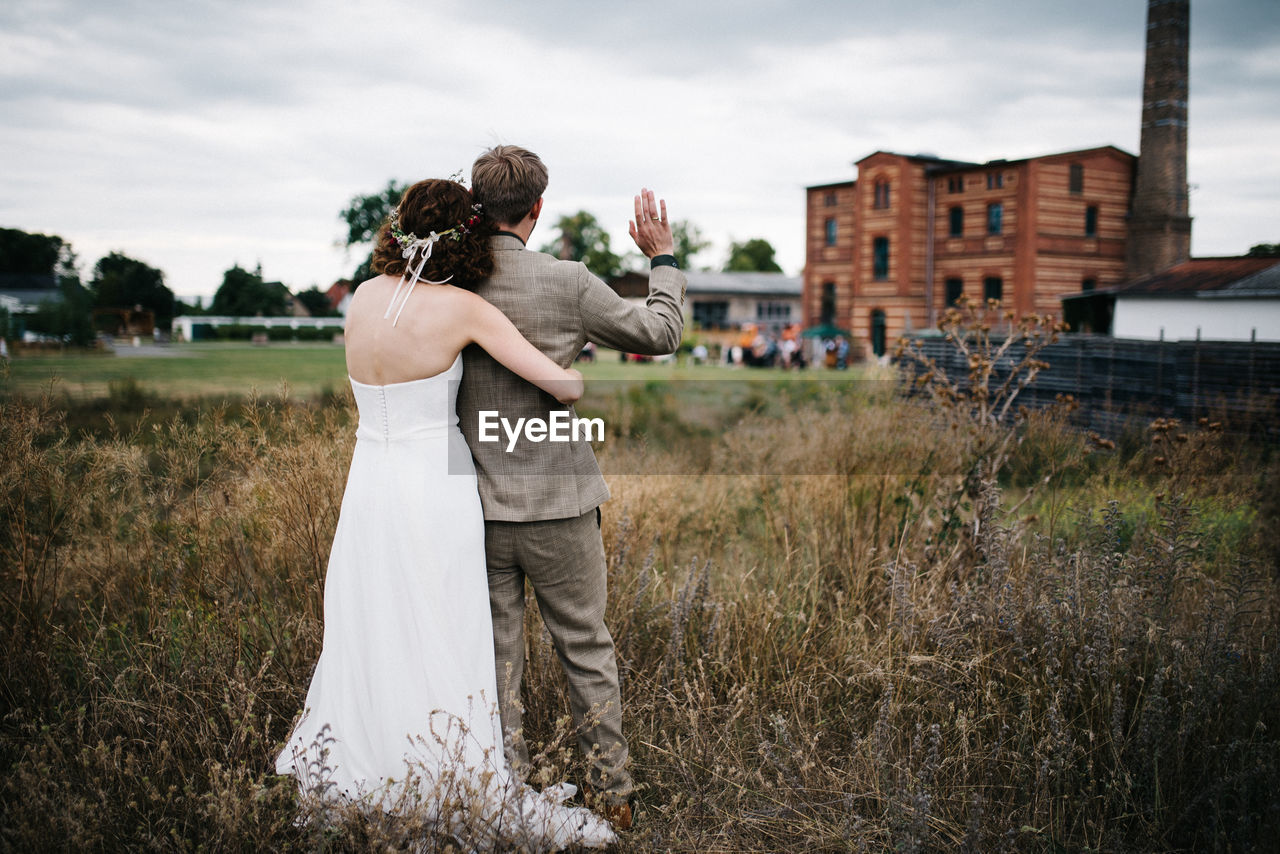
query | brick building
(887,253)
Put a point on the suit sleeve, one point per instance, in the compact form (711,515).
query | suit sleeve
(652,329)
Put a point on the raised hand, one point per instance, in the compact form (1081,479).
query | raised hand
(651,230)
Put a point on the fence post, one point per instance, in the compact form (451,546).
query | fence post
(1084,407)
(1195,379)
(1253,355)
(1160,375)
(1111,383)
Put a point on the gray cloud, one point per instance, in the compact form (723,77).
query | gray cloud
(202,133)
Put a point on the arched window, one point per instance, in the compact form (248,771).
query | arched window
(882,194)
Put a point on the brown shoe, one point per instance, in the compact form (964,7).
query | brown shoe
(616,812)
(619,815)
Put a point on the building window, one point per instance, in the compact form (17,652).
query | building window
(882,195)
(955,184)
(830,228)
(1075,179)
(995,218)
(828,313)
(956,215)
(993,288)
(1091,221)
(829,200)
(880,258)
(1088,284)
(711,315)
(995,180)
(955,290)
(773,311)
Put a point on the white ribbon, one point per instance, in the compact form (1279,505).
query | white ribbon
(415,273)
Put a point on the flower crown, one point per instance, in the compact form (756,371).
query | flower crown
(408,241)
(410,244)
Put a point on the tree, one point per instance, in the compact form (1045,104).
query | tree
(583,239)
(48,262)
(316,302)
(180,307)
(755,255)
(1265,250)
(688,241)
(123,282)
(245,294)
(364,216)
(67,318)
(29,254)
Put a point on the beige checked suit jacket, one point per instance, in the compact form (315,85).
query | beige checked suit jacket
(558,306)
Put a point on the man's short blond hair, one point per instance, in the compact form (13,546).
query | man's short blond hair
(508,180)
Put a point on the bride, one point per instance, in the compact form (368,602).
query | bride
(401,713)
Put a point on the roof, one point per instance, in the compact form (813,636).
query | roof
(32,296)
(746,284)
(941,164)
(755,284)
(931,159)
(1239,276)
(832,186)
(1264,283)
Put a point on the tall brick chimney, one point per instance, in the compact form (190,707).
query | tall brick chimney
(1160,224)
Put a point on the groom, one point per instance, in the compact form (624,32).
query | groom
(541,499)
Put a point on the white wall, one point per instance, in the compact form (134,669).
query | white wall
(182,324)
(1217,319)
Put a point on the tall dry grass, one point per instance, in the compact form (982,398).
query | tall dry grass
(889,655)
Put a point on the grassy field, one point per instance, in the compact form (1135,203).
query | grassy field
(185,370)
(957,637)
(309,370)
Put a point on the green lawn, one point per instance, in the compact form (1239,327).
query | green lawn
(186,370)
(234,370)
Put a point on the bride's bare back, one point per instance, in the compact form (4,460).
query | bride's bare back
(426,337)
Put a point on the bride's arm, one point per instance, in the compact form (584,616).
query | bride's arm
(499,337)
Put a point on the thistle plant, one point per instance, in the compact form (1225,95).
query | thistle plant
(978,407)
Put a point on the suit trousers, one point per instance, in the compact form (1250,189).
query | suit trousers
(563,560)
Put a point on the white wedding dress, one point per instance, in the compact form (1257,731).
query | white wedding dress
(402,709)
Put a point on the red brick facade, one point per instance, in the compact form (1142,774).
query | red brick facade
(887,253)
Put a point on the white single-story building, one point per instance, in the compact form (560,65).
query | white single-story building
(770,301)
(1213,299)
(197,327)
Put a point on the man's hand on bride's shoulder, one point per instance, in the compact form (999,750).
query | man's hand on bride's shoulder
(651,229)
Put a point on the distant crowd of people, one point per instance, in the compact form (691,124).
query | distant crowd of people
(757,349)
(766,350)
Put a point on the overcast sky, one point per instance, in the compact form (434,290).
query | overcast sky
(196,134)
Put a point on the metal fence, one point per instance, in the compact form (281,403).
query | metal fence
(1119,381)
